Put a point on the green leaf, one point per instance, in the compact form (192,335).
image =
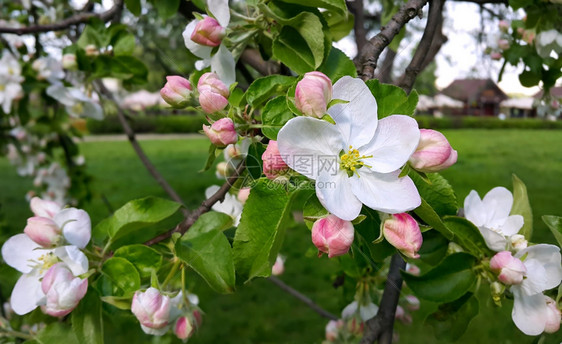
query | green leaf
(207,251)
(211,157)
(369,231)
(87,320)
(452,319)
(554,223)
(135,215)
(467,235)
(264,88)
(313,210)
(260,234)
(447,282)
(134,6)
(337,5)
(439,194)
(122,278)
(144,258)
(125,45)
(429,216)
(56,332)
(340,24)
(529,78)
(166,8)
(254,163)
(434,247)
(274,116)
(337,65)
(522,206)
(132,66)
(392,100)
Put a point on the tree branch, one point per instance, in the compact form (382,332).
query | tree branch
(203,208)
(252,57)
(381,326)
(356,7)
(374,47)
(302,298)
(66,23)
(433,21)
(385,70)
(138,149)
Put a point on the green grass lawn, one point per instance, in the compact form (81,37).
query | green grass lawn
(261,313)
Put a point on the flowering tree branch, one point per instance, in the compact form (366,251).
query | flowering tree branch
(434,19)
(77,19)
(138,149)
(381,326)
(370,54)
(302,298)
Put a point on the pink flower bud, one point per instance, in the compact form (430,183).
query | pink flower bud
(44,208)
(62,290)
(434,153)
(511,270)
(198,318)
(413,303)
(402,315)
(403,232)
(279,267)
(503,44)
(69,61)
(243,195)
(222,132)
(273,163)
(43,231)
(151,308)
(313,93)
(495,56)
(91,50)
(412,269)
(208,32)
(176,91)
(503,25)
(183,329)
(213,93)
(332,235)
(553,316)
(528,36)
(332,329)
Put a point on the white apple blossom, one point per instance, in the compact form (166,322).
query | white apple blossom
(356,161)
(491,216)
(222,62)
(76,102)
(230,205)
(10,81)
(547,41)
(366,312)
(544,271)
(48,68)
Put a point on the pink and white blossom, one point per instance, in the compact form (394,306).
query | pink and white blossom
(183,328)
(403,232)
(332,235)
(76,102)
(273,163)
(313,94)
(357,160)
(222,132)
(176,91)
(553,318)
(63,291)
(208,32)
(279,266)
(152,310)
(213,93)
(434,153)
(510,270)
(10,81)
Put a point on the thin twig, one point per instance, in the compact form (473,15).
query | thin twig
(380,327)
(80,18)
(302,298)
(252,57)
(138,149)
(374,47)
(203,208)
(433,20)
(356,7)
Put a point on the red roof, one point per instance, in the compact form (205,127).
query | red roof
(474,90)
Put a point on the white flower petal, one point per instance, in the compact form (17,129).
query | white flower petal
(224,65)
(474,210)
(76,226)
(61,94)
(198,50)
(220,10)
(349,310)
(385,191)
(497,203)
(155,331)
(529,312)
(396,138)
(549,257)
(19,250)
(336,195)
(27,294)
(75,259)
(92,110)
(535,281)
(357,120)
(305,142)
(495,241)
(512,225)
(202,64)
(369,311)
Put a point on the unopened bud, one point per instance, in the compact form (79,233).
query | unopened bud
(152,309)
(413,303)
(91,50)
(503,25)
(243,195)
(495,55)
(43,231)
(183,329)
(503,44)
(223,170)
(313,94)
(510,270)
(279,267)
(553,316)
(273,163)
(213,93)
(69,61)
(518,242)
(62,290)
(208,32)
(332,235)
(403,232)
(222,132)
(434,153)
(176,91)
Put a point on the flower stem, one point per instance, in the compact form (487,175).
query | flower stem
(11,333)
(172,272)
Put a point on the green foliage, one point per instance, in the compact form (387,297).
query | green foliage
(313,210)
(337,65)
(521,206)
(554,223)
(368,232)
(206,249)
(264,88)
(260,234)
(87,319)
(119,278)
(392,100)
(166,9)
(431,218)
(337,5)
(452,319)
(134,6)
(149,124)
(254,163)
(448,281)
(56,332)
(439,194)
(467,235)
(275,114)
(340,25)
(144,258)
(434,247)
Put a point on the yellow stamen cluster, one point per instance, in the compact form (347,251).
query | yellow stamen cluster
(46,261)
(78,108)
(351,161)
